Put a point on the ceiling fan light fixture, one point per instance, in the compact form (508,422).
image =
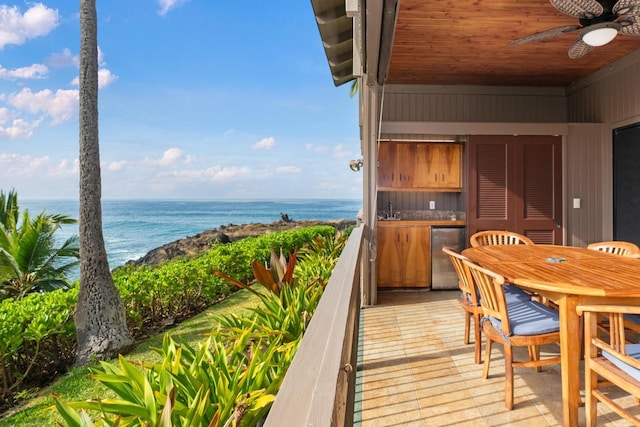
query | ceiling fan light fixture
(600,34)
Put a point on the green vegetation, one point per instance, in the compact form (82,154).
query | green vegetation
(174,291)
(29,259)
(76,384)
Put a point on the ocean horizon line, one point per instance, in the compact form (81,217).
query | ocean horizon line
(310,199)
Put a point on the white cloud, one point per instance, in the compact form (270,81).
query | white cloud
(340,152)
(19,129)
(317,149)
(116,166)
(218,173)
(264,144)
(168,158)
(16,28)
(212,174)
(105,78)
(167,5)
(289,169)
(60,106)
(65,167)
(65,59)
(12,165)
(35,71)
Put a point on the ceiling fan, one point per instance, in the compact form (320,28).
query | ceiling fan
(600,22)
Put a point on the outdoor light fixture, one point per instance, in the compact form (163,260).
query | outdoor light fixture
(600,34)
(355,165)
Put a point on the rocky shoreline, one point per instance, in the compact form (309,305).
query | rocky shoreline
(201,242)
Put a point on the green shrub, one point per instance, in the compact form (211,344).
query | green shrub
(37,333)
(37,338)
(230,379)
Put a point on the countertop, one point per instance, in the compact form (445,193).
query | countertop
(426,217)
(424,222)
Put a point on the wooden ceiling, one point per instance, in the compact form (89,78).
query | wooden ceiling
(466,42)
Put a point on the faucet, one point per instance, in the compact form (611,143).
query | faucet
(390,210)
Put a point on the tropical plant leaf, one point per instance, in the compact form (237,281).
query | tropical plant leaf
(235,282)
(70,416)
(264,277)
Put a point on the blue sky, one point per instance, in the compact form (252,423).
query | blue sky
(199,99)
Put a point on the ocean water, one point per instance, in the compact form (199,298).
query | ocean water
(134,227)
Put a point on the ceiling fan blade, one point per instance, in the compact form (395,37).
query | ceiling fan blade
(626,7)
(630,26)
(583,9)
(545,35)
(579,49)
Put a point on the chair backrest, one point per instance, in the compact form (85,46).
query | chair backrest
(492,293)
(617,248)
(498,237)
(614,341)
(465,280)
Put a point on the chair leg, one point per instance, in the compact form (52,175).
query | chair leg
(591,383)
(467,326)
(487,358)
(534,355)
(478,339)
(508,376)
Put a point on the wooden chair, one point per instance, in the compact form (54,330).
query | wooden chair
(517,324)
(498,237)
(501,237)
(469,300)
(617,248)
(622,248)
(610,358)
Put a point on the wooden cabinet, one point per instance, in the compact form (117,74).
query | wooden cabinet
(404,255)
(420,166)
(396,165)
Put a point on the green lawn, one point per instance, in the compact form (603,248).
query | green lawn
(39,411)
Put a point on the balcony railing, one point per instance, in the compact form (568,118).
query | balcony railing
(319,387)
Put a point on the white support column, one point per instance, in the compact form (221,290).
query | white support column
(371,97)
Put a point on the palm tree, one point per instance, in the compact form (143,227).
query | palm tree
(9,209)
(101,324)
(29,259)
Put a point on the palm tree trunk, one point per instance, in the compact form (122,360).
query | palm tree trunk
(100,316)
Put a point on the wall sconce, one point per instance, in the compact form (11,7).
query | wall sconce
(355,165)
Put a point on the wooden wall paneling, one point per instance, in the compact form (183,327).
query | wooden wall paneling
(584,180)
(498,105)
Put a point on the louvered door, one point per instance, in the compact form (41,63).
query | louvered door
(515,184)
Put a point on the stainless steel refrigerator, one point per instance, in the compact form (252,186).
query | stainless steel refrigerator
(443,276)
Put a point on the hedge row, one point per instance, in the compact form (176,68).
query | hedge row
(37,333)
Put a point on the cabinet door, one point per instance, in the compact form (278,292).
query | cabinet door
(404,256)
(427,165)
(450,165)
(387,154)
(406,165)
(390,256)
(417,256)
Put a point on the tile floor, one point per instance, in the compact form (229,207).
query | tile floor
(414,370)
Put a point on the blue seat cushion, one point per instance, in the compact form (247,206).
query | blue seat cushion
(512,294)
(530,318)
(635,318)
(633,350)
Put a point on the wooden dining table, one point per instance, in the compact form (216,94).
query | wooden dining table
(568,276)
